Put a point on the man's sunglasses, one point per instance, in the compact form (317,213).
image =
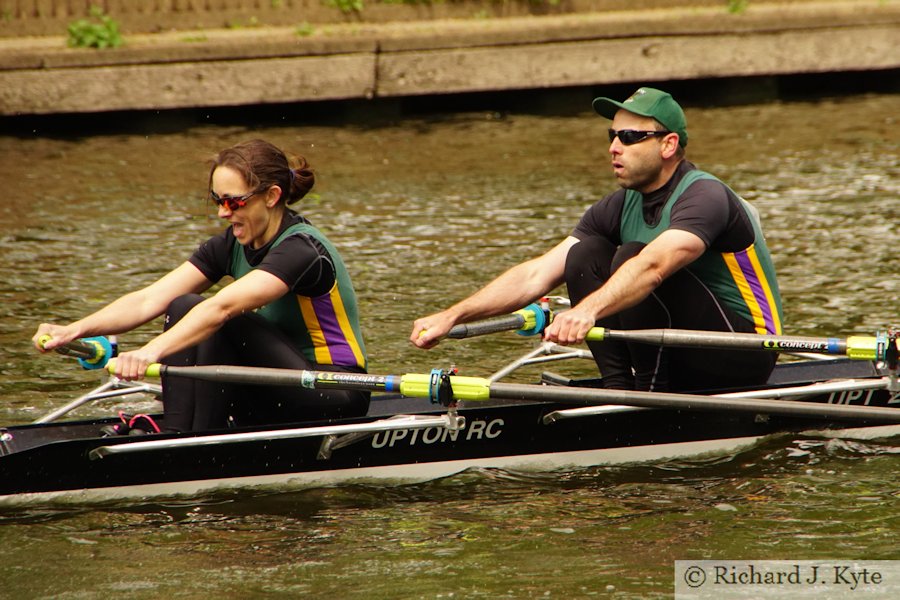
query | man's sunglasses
(633,136)
(232,203)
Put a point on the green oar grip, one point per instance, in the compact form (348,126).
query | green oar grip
(153,370)
(595,334)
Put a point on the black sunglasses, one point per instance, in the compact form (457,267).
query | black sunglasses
(633,136)
(232,203)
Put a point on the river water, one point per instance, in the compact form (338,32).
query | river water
(424,210)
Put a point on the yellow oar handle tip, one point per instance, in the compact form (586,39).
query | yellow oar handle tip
(42,341)
(595,334)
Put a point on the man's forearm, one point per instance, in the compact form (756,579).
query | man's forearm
(510,291)
(628,286)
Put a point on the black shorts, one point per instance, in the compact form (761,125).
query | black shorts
(681,302)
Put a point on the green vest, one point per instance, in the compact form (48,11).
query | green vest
(744,281)
(325,328)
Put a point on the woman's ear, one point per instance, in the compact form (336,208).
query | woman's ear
(273,195)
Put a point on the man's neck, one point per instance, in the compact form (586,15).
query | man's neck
(665,175)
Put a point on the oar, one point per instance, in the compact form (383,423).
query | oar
(476,388)
(882,347)
(92,353)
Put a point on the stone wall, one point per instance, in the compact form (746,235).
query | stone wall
(270,65)
(51,17)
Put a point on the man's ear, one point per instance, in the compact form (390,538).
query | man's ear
(669,145)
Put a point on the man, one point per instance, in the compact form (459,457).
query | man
(674,248)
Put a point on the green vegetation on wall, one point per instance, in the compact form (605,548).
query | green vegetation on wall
(98,31)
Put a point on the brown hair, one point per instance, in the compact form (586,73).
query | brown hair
(263,165)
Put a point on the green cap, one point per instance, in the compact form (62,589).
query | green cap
(649,102)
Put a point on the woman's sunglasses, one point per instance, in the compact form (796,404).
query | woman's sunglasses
(232,203)
(633,136)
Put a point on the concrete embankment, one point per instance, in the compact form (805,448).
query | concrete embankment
(224,67)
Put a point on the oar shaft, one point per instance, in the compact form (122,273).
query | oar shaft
(285,377)
(880,348)
(858,347)
(477,388)
(589,397)
(414,385)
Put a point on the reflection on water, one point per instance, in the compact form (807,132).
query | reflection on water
(424,211)
(483,534)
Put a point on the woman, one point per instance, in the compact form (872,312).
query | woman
(291,305)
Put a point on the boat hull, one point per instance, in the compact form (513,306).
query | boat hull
(68,462)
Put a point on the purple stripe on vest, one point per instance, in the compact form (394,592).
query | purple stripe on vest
(341,353)
(756,286)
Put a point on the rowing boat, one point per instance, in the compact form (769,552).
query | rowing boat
(427,432)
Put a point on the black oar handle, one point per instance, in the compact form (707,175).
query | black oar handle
(77,348)
(505,323)
(527,321)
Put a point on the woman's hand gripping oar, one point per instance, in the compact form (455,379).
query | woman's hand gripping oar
(100,352)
